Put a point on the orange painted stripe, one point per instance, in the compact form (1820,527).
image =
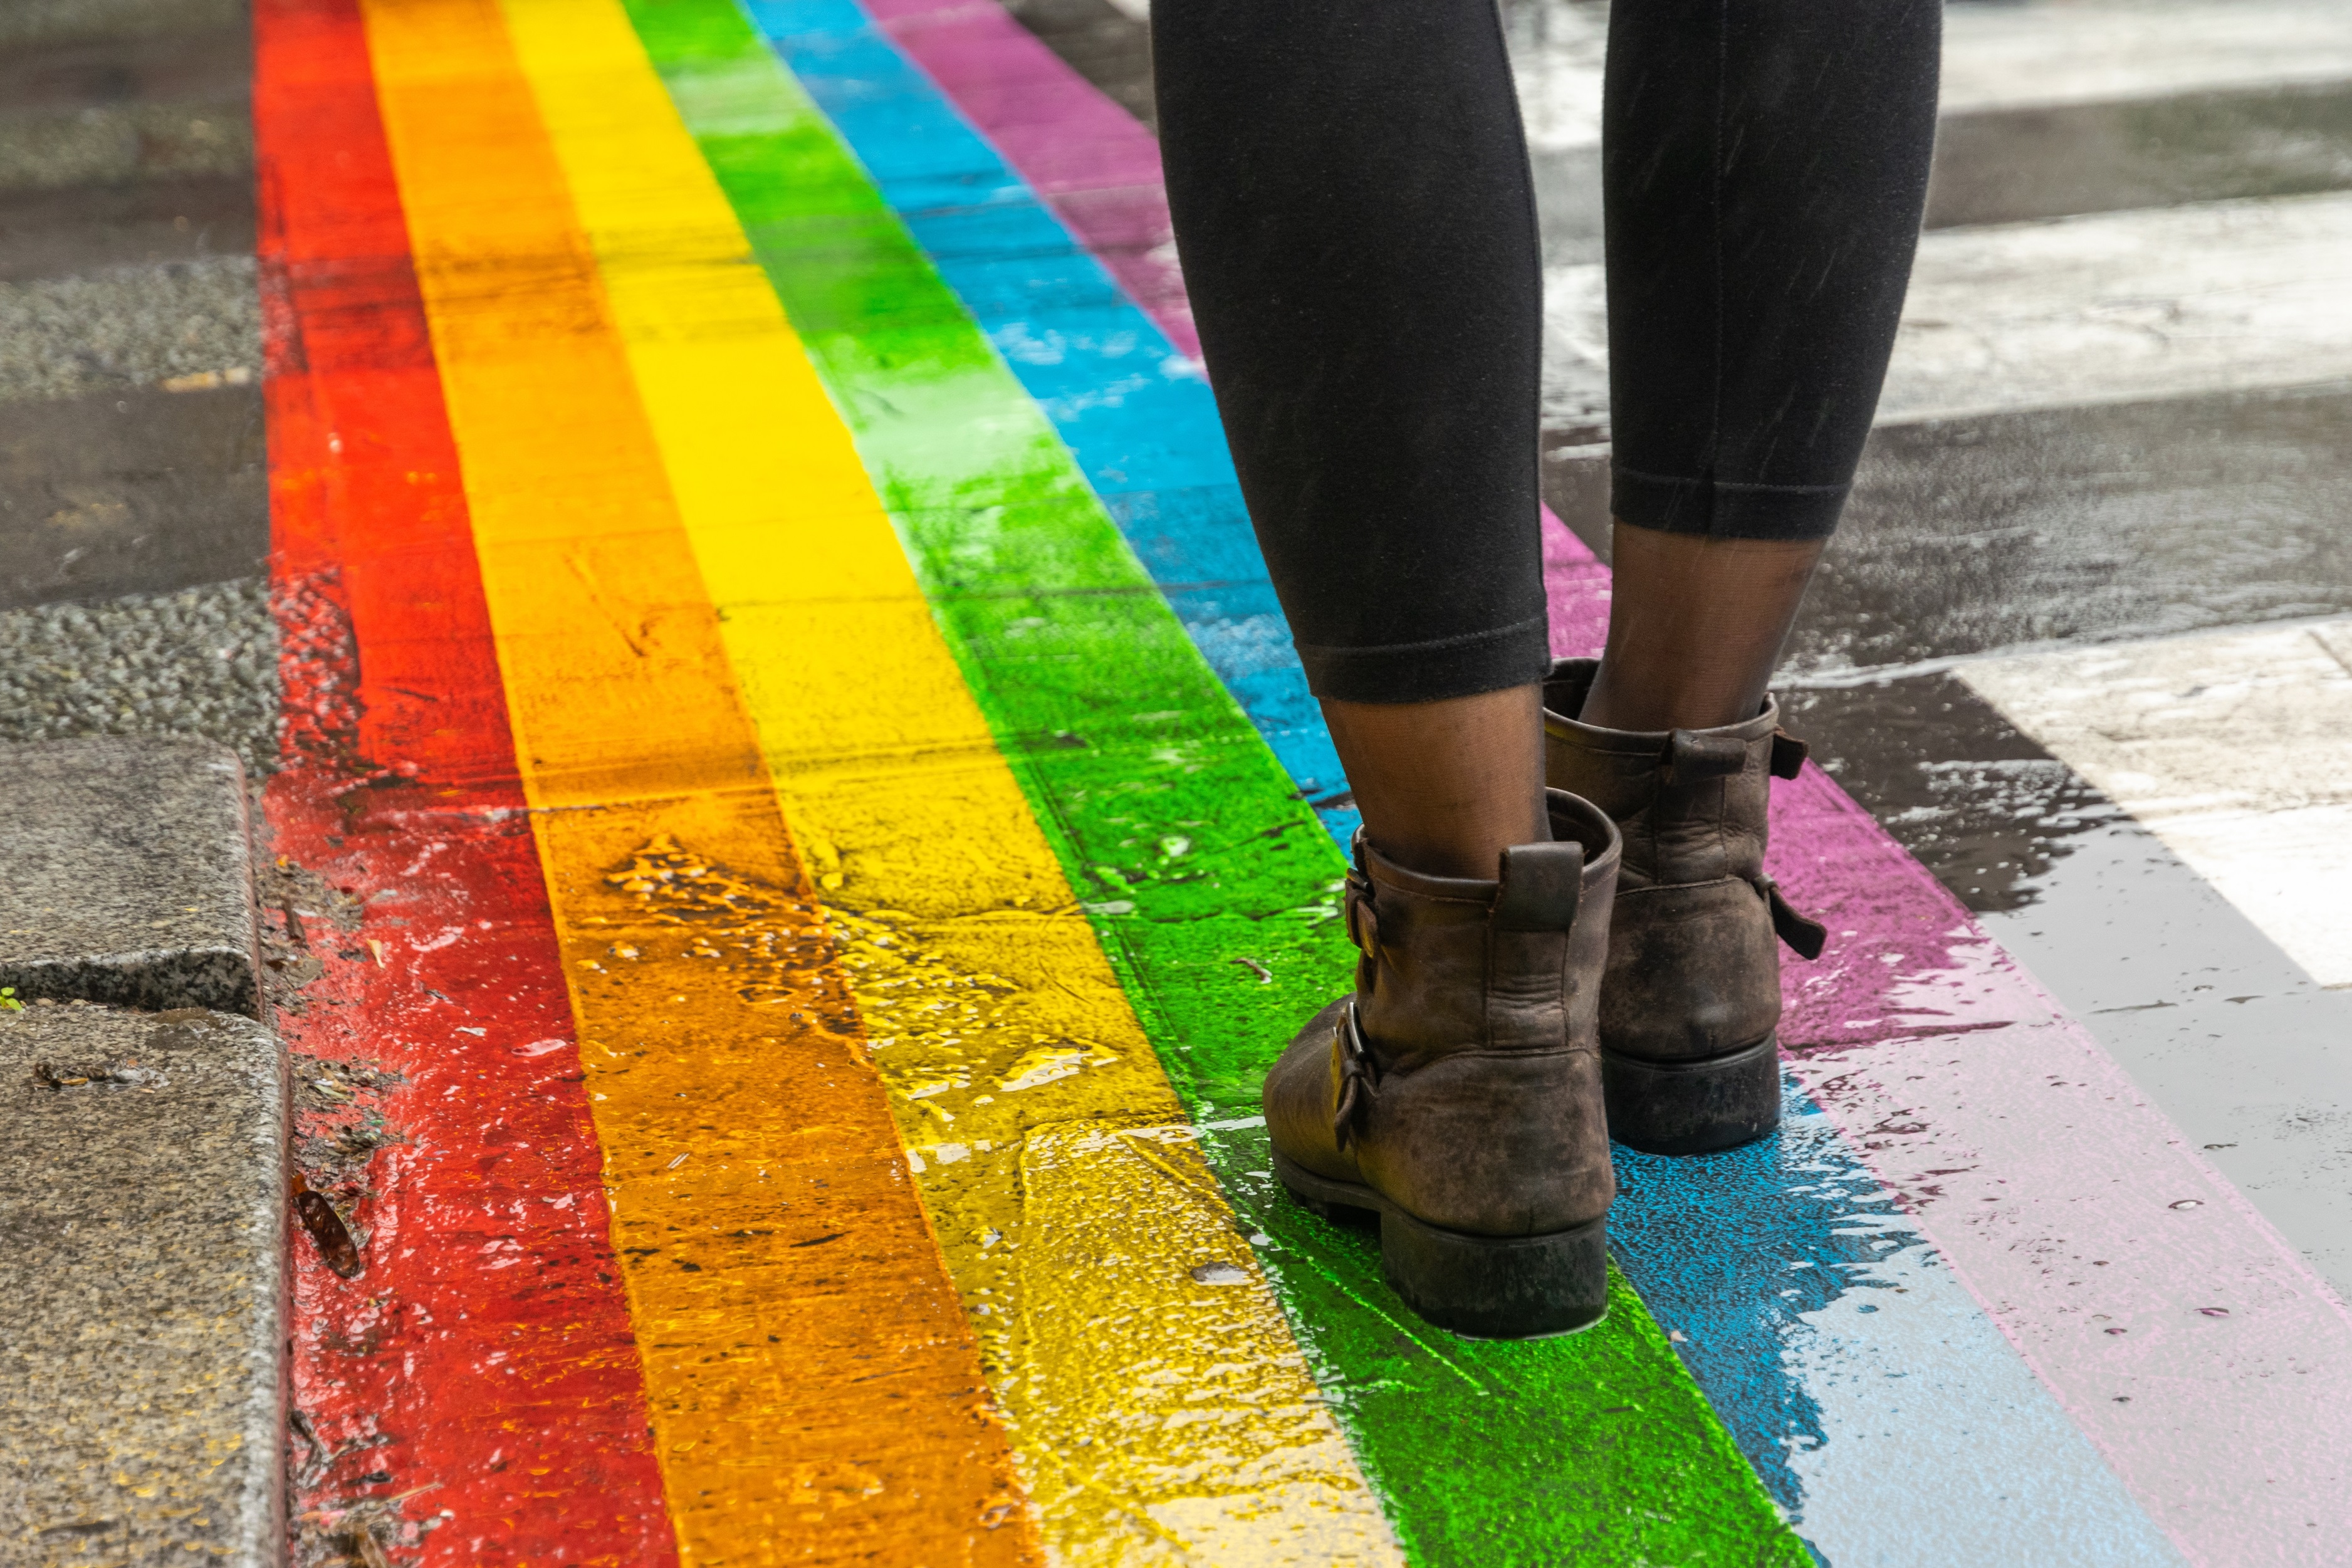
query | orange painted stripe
(813,1385)
(445,1388)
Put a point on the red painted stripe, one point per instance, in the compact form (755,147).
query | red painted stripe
(486,1356)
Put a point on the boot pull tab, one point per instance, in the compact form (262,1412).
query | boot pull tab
(1691,756)
(1789,754)
(1542,884)
(1805,937)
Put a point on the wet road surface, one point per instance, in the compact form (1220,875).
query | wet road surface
(748,1168)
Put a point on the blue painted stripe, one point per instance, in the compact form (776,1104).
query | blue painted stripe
(1136,413)
(1879,1406)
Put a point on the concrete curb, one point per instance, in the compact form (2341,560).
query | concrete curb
(125,875)
(143,1164)
(142,1180)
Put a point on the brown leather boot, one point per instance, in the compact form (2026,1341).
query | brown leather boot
(1691,999)
(1457,1092)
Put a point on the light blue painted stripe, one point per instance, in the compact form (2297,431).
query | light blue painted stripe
(1879,1404)
(1881,1407)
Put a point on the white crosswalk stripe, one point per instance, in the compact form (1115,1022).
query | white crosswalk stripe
(2234,747)
(2013,57)
(1998,55)
(2105,307)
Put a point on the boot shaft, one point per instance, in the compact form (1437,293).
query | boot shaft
(1449,964)
(1694,967)
(1690,804)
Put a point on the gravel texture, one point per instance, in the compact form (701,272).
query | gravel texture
(201,661)
(68,337)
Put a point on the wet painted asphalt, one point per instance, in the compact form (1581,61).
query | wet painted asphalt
(2142,504)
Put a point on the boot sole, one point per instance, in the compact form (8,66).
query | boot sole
(1480,1287)
(1694,1107)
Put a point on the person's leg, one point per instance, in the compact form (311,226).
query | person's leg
(1350,186)
(1765,164)
(1695,627)
(1445,788)
(1351,192)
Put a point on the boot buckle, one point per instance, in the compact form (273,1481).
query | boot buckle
(1359,1077)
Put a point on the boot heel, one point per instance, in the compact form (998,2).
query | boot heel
(1349,1203)
(1498,1287)
(1694,1107)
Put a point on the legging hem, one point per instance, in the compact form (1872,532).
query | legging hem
(1465,666)
(1722,509)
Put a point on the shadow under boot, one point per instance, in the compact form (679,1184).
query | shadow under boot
(1456,1093)
(1690,1003)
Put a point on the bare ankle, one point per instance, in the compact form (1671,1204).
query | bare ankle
(1445,788)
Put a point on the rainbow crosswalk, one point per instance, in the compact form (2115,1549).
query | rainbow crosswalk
(924,797)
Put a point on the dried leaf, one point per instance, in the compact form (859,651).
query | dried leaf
(327,1230)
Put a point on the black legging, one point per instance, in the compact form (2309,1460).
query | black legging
(1350,185)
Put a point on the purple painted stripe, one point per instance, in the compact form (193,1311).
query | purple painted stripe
(2028,1159)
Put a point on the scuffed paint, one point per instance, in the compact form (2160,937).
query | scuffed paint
(1940,1103)
(1076,346)
(486,1346)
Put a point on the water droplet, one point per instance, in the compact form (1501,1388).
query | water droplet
(2118,1330)
(2189,1203)
(2215,1311)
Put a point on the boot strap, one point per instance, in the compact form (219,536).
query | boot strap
(1363,920)
(1804,936)
(1359,1077)
(1789,754)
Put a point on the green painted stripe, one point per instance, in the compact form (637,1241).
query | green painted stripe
(1168,810)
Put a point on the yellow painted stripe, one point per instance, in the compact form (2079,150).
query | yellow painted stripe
(1155,1415)
(816,1391)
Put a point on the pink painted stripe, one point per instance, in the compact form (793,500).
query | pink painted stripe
(2045,1179)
